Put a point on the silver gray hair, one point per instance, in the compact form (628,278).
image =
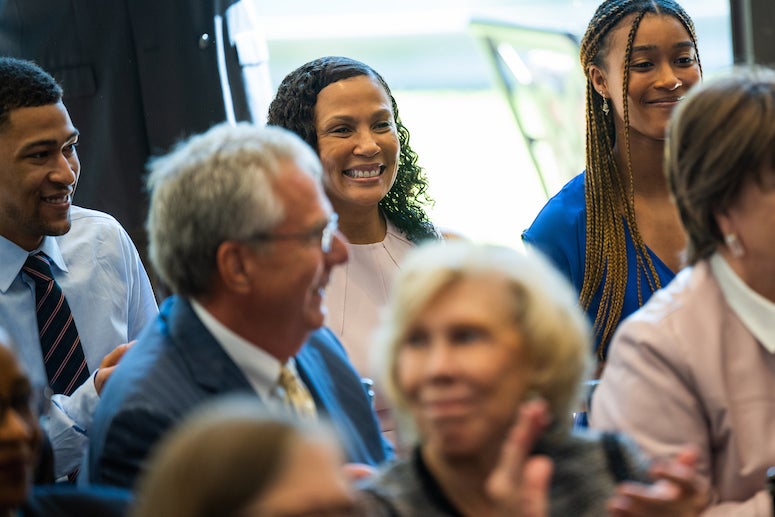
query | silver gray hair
(215,187)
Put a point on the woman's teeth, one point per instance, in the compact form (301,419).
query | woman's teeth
(356,173)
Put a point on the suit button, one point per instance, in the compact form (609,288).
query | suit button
(204,41)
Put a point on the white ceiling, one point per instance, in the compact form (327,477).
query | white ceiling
(426,43)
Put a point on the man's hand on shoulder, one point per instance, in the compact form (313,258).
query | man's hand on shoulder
(108,364)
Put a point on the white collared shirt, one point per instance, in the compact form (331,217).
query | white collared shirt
(109,294)
(755,311)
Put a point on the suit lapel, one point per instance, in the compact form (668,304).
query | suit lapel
(210,366)
(316,377)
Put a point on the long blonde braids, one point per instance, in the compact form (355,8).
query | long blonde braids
(609,195)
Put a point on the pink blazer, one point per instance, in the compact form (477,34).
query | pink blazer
(683,369)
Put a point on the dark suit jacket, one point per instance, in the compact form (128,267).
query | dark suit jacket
(176,364)
(137,75)
(68,501)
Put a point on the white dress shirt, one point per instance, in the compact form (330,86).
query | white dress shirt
(110,297)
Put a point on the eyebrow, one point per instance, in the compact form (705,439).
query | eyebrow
(339,118)
(49,142)
(646,48)
(347,118)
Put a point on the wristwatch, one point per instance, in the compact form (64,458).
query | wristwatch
(771,486)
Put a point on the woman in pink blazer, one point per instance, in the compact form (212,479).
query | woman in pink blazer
(696,365)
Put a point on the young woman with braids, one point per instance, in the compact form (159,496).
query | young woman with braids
(346,112)
(613,229)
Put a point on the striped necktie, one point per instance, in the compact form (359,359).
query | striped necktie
(59,341)
(296,395)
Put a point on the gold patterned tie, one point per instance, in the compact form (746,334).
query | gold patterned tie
(296,395)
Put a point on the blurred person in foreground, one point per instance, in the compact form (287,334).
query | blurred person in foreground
(230,458)
(21,446)
(697,363)
(484,352)
(243,234)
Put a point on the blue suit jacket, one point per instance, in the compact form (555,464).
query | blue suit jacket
(176,364)
(64,500)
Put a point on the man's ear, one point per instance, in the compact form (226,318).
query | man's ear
(233,266)
(598,79)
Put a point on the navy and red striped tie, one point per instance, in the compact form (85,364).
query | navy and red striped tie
(59,341)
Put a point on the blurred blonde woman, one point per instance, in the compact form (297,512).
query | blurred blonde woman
(472,334)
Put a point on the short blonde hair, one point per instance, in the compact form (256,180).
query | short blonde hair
(556,332)
(718,139)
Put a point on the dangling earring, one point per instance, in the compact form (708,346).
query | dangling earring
(734,245)
(606,109)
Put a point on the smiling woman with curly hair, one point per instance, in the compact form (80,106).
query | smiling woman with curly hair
(346,112)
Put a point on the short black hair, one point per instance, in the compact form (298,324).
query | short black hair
(24,84)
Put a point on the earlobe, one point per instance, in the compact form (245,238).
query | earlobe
(731,238)
(597,78)
(724,223)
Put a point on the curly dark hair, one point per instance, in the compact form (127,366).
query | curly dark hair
(23,84)
(294,108)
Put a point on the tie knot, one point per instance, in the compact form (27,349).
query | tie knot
(287,379)
(296,395)
(38,267)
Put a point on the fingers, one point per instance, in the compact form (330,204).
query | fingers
(681,471)
(689,456)
(533,419)
(531,422)
(108,364)
(519,484)
(113,357)
(357,471)
(537,480)
(680,476)
(102,377)
(657,500)
(677,491)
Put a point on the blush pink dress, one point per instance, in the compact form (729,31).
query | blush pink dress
(356,293)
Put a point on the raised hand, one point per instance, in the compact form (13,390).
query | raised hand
(676,492)
(519,484)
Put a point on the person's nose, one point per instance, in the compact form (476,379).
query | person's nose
(65,171)
(440,361)
(668,79)
(366,144)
